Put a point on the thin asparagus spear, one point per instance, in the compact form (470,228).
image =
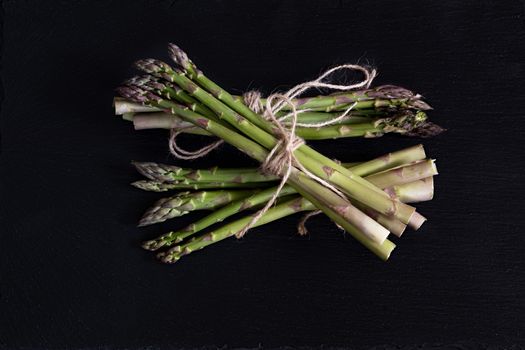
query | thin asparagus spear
(382,163)
(156,186)
(184,202)
(315,162)
(402,124)
(123,106)
(171,173)
(343,211)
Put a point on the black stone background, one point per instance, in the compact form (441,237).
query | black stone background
(72,273)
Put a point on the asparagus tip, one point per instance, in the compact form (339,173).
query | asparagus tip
(178,55)
(145,222)
(137,94)
(152,66)
(426,130)
(168,258)
(145,185)
(153,244)
(420,104)
(391,91)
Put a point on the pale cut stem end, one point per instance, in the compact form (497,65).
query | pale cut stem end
(416,221)
(415,192)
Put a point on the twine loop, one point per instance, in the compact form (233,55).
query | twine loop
(181,153)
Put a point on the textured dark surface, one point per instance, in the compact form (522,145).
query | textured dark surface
(72,274)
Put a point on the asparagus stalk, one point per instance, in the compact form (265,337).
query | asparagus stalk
(157,186)
(343,211)
(184,202)
(247,122)
(123,106)
(171,173)
(404,123)
(393,160)
(388,96)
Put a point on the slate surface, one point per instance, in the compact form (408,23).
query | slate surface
(72,274)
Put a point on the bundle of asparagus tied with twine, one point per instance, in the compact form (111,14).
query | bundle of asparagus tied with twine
(368,200)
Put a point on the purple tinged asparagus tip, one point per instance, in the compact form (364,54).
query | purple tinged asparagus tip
(132,93)
(146,82)
(420,104)
(391,91)
(426,130)
(138,80)
(156,171)
(178,56)
(153,66)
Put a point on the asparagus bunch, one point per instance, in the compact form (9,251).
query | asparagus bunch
(411,181)
(357,204)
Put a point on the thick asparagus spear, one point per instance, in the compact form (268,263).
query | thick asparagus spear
(184,202)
